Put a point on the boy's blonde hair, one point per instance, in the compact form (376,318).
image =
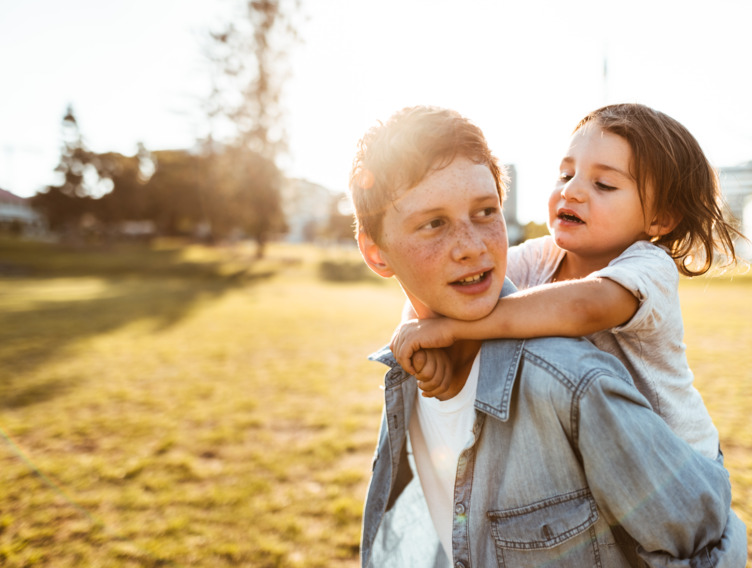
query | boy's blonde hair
(395,156)
(686,187)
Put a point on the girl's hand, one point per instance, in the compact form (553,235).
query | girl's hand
(413,335)
(434,373)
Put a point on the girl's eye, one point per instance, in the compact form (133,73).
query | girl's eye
(564,177)
(604,187)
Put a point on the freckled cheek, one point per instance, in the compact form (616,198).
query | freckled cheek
(420,257)
(497,236)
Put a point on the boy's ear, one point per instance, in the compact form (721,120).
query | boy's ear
(663,224)
(371,253)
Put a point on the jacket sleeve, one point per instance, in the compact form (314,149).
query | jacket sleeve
(672,501)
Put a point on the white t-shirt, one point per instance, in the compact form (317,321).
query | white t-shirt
(439,431)
(651,344)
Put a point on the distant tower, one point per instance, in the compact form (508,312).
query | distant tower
(605,77)
(514,229)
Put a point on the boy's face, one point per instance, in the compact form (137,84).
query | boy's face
(446,243)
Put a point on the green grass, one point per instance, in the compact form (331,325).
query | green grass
(187,406)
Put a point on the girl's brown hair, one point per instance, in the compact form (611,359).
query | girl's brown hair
(685,186)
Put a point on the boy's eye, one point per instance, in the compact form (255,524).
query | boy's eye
(433,224)
(488,211)
(563,176)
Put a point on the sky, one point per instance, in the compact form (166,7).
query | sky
(525,71)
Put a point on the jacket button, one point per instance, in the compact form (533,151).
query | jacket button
(459,508)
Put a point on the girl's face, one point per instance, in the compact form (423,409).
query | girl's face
(595,211)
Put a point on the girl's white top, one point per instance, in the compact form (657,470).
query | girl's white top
(651,343)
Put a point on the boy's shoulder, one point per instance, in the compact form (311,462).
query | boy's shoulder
(557,370)
(570,360)
(574,357)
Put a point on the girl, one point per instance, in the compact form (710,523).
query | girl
(636,203)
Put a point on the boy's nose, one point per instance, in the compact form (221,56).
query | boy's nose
(469,243)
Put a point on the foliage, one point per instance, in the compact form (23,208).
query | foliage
(534,230)
(211,194)
(75,159)
(180,191)
(249,56)
(66,203)
(248,187)
(129,198)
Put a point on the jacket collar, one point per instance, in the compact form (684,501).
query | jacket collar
(395,374)
(499,361)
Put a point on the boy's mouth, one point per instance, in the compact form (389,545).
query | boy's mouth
(470,280)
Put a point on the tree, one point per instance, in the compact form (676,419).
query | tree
(250,200)
(178,191)
(130,199)
(249,57)
(66,203)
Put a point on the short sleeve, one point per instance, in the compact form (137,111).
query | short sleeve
(649,273)
(533,262)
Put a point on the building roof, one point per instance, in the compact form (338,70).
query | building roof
(8,197)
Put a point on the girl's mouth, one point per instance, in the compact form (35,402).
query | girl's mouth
(571,217)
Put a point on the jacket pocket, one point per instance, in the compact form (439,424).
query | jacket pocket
(560,531)
(544,524)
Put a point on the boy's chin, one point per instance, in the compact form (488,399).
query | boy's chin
(471,313)
(467,310)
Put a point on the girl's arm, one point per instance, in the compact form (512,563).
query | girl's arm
(571,309)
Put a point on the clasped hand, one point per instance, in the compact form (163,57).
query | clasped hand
(418,347)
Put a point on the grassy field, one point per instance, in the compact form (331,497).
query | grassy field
(184,406)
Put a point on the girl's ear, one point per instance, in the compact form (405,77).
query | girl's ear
(662,224)
(373,256)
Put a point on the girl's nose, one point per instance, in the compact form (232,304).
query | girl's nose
(573,190)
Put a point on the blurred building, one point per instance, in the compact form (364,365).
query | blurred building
(736,184)
(307,207)
(17,215)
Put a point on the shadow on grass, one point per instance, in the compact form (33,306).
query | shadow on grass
(137,284)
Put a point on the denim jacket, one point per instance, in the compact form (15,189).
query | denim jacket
(568,466)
